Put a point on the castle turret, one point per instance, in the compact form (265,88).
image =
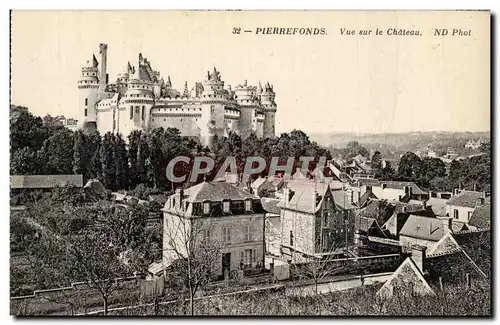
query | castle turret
(269,107)
(103,78)
(88,87)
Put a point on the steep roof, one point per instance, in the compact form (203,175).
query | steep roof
(401,185)
(438,206)
(363,223)
(481,217)
(258,182)
(423,228)
(465,199)
(271,205)
(303,196)
(215,191)
(406,277)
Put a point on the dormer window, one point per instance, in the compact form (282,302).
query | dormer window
(225,206)
(206,207)
(248,205)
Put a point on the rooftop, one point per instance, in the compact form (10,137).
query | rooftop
(427,228)
(215,191)
(466,199)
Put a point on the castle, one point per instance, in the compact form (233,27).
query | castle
(142,100)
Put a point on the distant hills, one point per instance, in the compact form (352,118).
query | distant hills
(410,141)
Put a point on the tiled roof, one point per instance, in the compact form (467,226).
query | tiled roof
(271,205)
(466,199)
(44,181)
(342,200)
(401,185)
(423,228)
(481,217)
(406,277)
(438,206)
(303,190)
(363,223)
(215,191)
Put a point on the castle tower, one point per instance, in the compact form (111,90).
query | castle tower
(103,78)
(136,104)
(88,87)
(247,98)
(213,109)
(267,100)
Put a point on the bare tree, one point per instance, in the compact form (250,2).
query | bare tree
(192,250)
(320,267)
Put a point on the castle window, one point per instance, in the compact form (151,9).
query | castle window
(131,112)
(86,101)
(85,112)
(142,113)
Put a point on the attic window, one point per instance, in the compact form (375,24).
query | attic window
(206,207)
(225,206)
(248,205)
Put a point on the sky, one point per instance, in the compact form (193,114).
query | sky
(323,83)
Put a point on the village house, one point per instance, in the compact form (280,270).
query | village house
(461,206)
(426,231)
(481,217)
(458,259)
(221,215)
(267,186)
(316,220)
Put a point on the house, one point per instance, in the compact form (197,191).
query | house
(408,279)
(215,214)
(423,231)
(273,226)
(437,202)
(461,206)
(481,217)
(456,259)
(401,191)
(315,221)
(267,186)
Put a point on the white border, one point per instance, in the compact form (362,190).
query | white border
(185,4)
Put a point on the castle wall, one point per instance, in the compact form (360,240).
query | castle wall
(268,129)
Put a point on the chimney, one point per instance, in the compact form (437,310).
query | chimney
(447,224)
(286,194)
(456,191)
(369,189)
(315,200)
(479,201)
(418,256)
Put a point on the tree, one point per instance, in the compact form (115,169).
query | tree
(24,162)
(377,164)
(143,160)
(431,169)
(133,147)
(121,162)
(80,159)
(57,153)
(410,167)
(26,130)
(319,268)
(108,174)
(192,252)
(353,148)
(387,173)
(94,168)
